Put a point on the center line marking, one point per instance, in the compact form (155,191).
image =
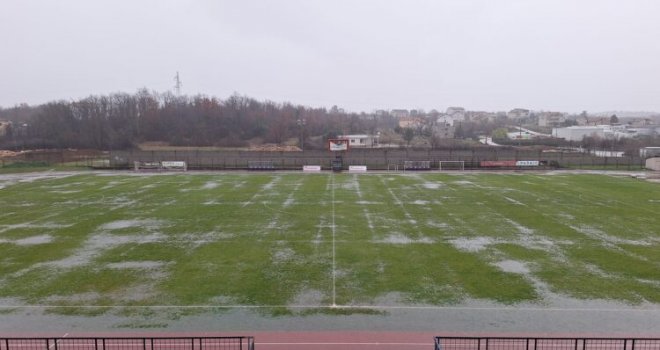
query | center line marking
(334,230)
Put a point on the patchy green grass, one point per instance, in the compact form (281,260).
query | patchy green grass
(313,240)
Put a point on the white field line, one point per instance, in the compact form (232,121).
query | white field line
(379,344)
(55,342)
(259,192)
(348,307)
(334,250)
(398,202)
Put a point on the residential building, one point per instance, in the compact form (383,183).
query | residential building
(553,119)
(450,119)
(518,114)
(443,130)
(411,122)
(456,112)
(400,113)
(481,116)
(592,121)
(4,128)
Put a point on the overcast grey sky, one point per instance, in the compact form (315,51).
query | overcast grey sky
(567,55)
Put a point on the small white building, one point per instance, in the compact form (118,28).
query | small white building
(577,133)
(361,141)
(653,164)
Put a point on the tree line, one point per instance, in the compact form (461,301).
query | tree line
(123,120)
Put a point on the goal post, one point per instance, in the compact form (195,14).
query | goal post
(160,166)
(416,165)
(147,166)
(174,165)
(451,165)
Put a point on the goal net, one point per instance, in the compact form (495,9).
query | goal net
(160,166)
(417,165)
(452,165)
(147,166)
(261,165)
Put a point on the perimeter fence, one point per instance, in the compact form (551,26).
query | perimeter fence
(487,343)
(374,159)
(129,343)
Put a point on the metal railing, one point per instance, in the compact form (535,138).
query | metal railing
(506,343)
(129,343)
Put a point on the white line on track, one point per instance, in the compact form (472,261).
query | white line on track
(369,307)
(348,343)
(55,342)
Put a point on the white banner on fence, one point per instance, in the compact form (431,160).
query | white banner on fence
(527,163)
(172,164)
(357,168)
(311,168)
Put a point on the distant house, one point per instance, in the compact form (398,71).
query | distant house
(411,122)
(640,122)
(518,114)
(449,119)
(480,116)
(400,113)
(456,112)
(553,119)
(4,128)
(361,141)
(444,130)
(592,121)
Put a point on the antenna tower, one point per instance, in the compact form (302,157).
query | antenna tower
(177,84)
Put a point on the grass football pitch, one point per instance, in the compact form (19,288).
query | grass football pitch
(288,243)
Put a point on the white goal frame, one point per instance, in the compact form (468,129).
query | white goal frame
(460,162)
(160,166)
(413,165)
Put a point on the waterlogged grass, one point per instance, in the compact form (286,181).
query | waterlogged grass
(281,241)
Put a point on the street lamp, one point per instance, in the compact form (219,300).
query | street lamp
(301,123)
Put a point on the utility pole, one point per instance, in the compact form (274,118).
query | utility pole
(301,123)
(177,84)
